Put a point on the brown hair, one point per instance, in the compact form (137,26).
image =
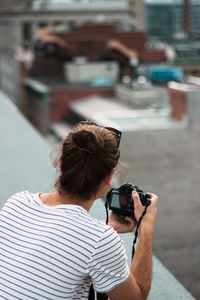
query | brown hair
(88,155)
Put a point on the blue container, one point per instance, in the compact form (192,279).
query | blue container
(163,73)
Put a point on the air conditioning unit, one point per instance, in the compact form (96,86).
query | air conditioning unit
(86,73)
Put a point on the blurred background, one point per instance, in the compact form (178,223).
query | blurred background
(129,64)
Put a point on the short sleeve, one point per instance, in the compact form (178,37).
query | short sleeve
(108,266)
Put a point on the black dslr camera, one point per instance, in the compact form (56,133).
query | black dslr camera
(120,199)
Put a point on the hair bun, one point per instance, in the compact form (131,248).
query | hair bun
(87,139)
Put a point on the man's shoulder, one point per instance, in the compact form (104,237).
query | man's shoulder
(22,195)
(97,225)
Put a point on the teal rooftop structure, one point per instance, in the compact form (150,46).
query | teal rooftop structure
(25,165)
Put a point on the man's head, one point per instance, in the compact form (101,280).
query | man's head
(88,156)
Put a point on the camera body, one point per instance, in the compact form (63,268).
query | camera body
(120,199)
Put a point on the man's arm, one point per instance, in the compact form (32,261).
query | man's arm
(137,286)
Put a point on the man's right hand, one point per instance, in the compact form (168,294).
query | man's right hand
(138,284)
(149,217)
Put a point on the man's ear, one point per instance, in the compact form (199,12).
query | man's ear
(109,177)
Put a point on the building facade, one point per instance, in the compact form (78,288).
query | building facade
(166,19)
(19,21)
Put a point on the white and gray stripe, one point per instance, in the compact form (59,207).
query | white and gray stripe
(51,252)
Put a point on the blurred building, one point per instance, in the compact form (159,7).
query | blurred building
(167,19)
(20,20)
(68,13)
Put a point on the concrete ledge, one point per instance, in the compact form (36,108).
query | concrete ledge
(25,164)
(24,155)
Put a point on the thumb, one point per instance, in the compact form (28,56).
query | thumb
(135,197)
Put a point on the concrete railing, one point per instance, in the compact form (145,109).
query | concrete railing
(25,165)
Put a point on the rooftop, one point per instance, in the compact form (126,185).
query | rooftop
(108,112)
(25,164)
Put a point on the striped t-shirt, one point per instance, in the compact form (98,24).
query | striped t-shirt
(52,252)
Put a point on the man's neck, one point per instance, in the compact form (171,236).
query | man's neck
(55,198)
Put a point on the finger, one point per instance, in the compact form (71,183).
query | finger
(154,197)
(131,223)
(131,220)
(136,197)
(150,194)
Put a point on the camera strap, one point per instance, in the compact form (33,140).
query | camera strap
(137,230)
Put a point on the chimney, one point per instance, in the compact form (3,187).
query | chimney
(186,17)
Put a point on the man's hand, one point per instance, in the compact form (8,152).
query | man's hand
(150,215)
(127,224)
(121,224)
